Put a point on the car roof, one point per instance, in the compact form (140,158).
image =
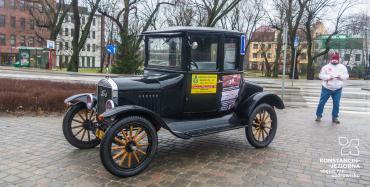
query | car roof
(191,29)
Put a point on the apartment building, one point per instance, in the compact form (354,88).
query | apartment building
(18,31)
(90,55)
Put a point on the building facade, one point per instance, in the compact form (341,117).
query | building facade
(19,33)
(91,53)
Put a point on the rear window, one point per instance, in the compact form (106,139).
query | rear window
(230,49)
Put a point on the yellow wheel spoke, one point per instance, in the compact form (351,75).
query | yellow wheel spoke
(125,135)
(263,115)
(141,151)
(263,134)
(81,116)
(119,141)
(137,132)
(130,135)
(118,154)
(136,157)
(141,137)
(117,147)
(129,160)
(143,144)
(123,159)
(83,134)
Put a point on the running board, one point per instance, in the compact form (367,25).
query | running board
(200,127)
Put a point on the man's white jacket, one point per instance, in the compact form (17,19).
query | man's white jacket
(333,71)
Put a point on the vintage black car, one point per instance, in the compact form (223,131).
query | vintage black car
(192,86)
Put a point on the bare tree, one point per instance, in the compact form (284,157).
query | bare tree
(277,22)
(183,14)
(49,15)
(212,11)
(79,40)
(312,9)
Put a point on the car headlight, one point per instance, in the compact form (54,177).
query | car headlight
(109,105)
(89,101)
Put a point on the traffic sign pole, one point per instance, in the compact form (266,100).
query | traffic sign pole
(285,41)
(296,43)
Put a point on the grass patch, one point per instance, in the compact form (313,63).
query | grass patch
(37,95)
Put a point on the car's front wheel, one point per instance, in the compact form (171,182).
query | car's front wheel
(78,127)
(129,146)
(262,126)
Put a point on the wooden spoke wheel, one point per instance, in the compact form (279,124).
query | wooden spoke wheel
(79,127)
(262,126)
(128,146)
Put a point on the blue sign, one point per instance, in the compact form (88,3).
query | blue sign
(242,44)
(296,42)
(111,49)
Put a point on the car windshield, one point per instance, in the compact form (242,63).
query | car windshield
(164,51)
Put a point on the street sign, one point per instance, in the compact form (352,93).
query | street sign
(242,44)
(50,44)
(111,49)
(296,42)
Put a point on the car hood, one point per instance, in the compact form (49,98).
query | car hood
(147,82)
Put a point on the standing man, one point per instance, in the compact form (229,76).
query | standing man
(332,76)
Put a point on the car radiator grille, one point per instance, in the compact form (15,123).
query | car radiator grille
(103,95)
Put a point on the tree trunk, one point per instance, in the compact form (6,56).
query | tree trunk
(73,63)
(277,55)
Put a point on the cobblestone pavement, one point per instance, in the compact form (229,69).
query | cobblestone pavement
(33,151)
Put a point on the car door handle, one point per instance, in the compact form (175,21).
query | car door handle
(220,81)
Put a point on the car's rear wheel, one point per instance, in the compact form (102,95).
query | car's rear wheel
(78,127)
(262,126)
(129,146)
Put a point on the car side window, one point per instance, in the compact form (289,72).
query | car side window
(204,55)
(230,49)
(165,52)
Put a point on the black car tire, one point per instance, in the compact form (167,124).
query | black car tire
(263,130)
(92,140)
(106,148)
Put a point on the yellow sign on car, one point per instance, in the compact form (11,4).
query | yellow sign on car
(203,83)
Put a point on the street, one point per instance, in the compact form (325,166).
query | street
(34,152)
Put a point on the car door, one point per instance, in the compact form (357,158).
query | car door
(204,88)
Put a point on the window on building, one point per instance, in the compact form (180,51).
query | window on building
(268,55)
(66,46)
(12,40)
(60,45)
(23,41)
(30,5)
(65,31)
(72,19)
(88,36)
(66,18)
(12,4)
(31,41)
(269,46)
(23,23)
(66,59)
(2,3)
(94,47)
(358,57)
(88,62)
(83,20)
(22,5)
(41,9)
(254,55)
(263,46)
(93,34)
(262,55)
(2,39)
(83,48)
(255,46)
(93,62)
(347,57)
(13,22)
(88,47)
(94,22)
(72,32)
(2,21)
(83,61)
(32,24)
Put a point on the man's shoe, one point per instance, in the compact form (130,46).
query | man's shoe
(336,121)
(318,119)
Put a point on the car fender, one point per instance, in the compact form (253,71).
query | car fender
(119,112)
(245,109)
(80,98)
